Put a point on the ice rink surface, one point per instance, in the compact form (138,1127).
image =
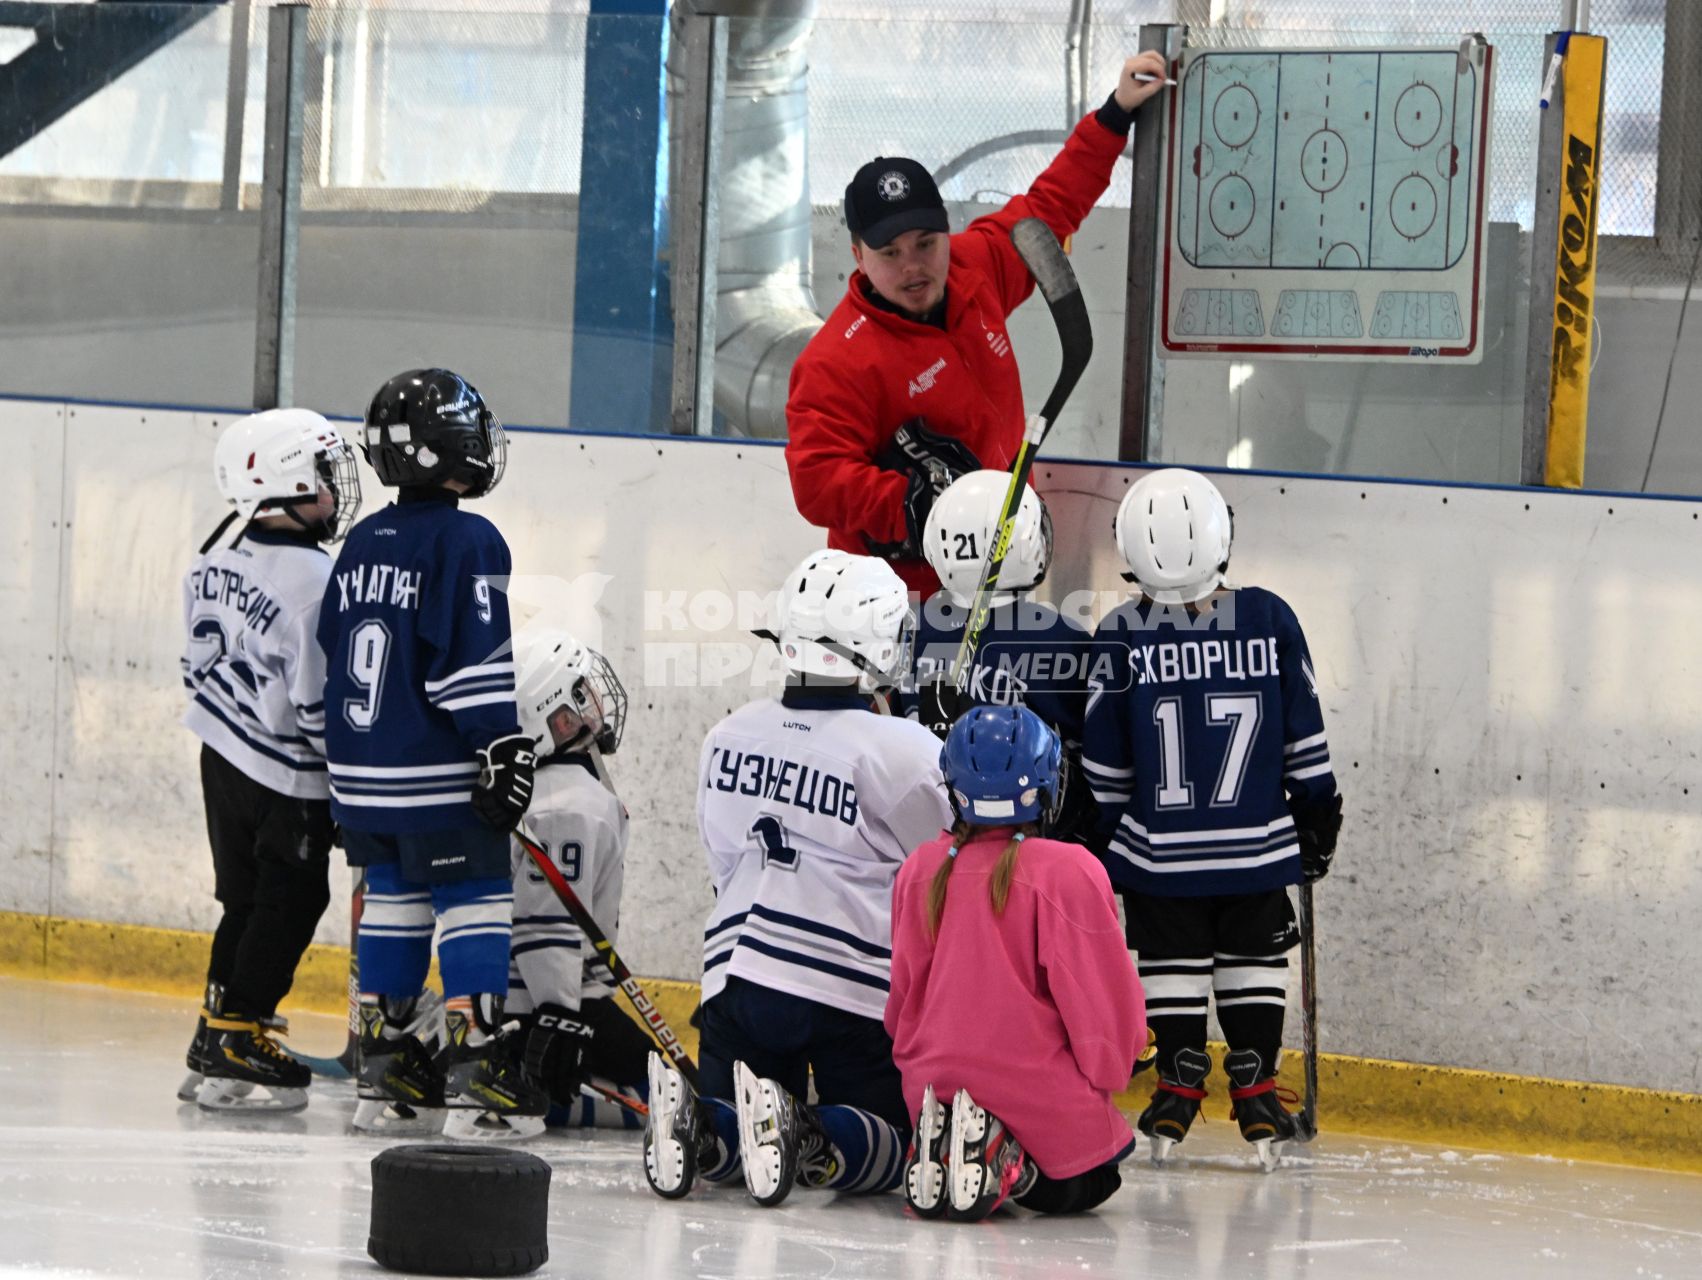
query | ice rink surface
(104,1173)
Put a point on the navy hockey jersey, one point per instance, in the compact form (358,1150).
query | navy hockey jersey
(420,671)
(1197,758)
(252,666)
(1030,655)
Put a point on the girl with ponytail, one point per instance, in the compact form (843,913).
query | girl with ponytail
(1015,1010)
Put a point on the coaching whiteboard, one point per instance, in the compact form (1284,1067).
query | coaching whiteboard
(1326,203)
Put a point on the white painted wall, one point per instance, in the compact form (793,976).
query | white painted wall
(1510,682)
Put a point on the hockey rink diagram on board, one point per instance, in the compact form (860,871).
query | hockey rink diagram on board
(1326,203)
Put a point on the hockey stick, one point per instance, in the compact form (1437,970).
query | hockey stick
(350,1056)
(330,1068)
(1306,1123)
(1045,259)
(615,1096)
(606,953)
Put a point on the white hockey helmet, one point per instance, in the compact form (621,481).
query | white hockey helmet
(962,524)
(844,615)
(271,462)
(1174,530)
(567,694)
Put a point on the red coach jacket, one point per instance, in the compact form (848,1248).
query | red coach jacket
(868,370)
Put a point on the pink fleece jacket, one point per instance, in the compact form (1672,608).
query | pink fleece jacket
(1038,1012)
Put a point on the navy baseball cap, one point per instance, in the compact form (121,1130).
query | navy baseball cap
(891,195)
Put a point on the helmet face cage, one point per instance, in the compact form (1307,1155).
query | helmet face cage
(594,710)
(338,473)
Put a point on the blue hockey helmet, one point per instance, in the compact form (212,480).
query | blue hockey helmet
(1001,765)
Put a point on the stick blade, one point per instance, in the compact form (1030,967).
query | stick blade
(1046,260)
(1050,266)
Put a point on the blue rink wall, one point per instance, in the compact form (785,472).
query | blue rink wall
(1509,680)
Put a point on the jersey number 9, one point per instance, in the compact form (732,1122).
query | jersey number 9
(369,653)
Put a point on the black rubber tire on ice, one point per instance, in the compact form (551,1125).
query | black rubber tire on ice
(459,1211)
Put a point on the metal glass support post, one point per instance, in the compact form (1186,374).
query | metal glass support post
(1545,248)
(622,357)
(236,104)
(280,206)
(1152,127)
(694,210)
(1678,188)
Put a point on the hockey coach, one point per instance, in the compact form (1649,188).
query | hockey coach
(911,382)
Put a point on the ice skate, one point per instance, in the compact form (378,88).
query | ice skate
(925,1167)
(778,1139)
(486,1092)
(985,1165)
(675,1132)
(201,1044)
(245,1069)
(1257,1106)
(1175,1103)
(400,1087)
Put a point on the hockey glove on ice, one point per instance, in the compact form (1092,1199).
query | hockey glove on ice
(504,788)
(1317,828)
(556,1046)
(932,461)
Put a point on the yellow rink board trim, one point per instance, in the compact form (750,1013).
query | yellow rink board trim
(1399,1100)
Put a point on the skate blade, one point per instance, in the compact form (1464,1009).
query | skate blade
(1269,1156)
(965,1172)
(464,1124)
(665,1167)
(192,1084)
(242,1095)
(1161,1150)
(396,1119)
(759,1152)
(925,1180)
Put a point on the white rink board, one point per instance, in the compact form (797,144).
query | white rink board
(1509,682)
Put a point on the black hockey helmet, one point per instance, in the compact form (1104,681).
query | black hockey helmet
(430,425)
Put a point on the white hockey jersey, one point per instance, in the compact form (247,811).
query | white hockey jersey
(254,671)
(582,825)
(807,807)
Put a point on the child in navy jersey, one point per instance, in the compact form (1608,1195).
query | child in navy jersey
(1211,769)
(429,769)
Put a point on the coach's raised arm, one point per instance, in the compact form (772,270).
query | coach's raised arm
(911,381)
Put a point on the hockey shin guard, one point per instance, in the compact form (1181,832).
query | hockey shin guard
(867,1152)
(472,950)
(1177,991)
(1252,995)
(394,943)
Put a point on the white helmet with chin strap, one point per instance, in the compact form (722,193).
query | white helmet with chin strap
(567,694)
(273,462)
(962,524)
(1174,530)
(844,616)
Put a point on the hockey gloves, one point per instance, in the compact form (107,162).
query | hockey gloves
(938,705)
(504,788)
(556,1046)
(932,461)
(1317,827)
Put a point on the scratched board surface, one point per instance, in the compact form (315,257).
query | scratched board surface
(1325,202)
